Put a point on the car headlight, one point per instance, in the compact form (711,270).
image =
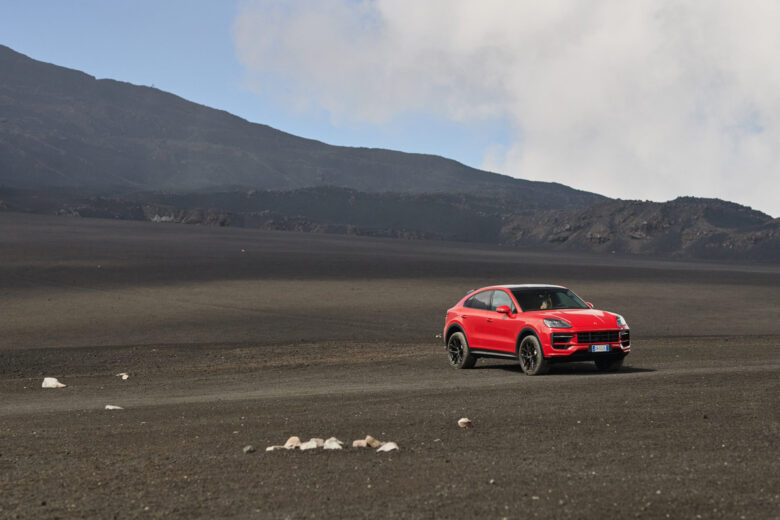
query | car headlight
(556,324)
(621,321)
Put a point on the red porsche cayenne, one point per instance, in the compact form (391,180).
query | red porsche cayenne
(535,324)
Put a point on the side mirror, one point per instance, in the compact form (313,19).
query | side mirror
(503,309)
(589,304)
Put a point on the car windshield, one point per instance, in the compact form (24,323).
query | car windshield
(544,298)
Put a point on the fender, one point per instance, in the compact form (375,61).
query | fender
(455,327)
(523,333)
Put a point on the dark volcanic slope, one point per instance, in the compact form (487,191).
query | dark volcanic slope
(61,127)
(236,336)
(685,227)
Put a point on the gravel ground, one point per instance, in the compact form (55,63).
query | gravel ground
(314,336)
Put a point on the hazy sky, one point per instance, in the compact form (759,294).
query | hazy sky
(639,99)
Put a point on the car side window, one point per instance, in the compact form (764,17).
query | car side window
(501,298)
(479,301)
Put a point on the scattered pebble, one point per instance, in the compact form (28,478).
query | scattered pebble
(372,442)
(292,443)
(123,375)
(52,382)
(274,448)
(332,444)
(309,445)
(388,446)
(249,449)
(360,443)
(464,422)
(113,407)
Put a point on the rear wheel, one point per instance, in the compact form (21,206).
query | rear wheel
(532,359)
(458,351)
(609,364)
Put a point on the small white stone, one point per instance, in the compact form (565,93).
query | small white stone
(372,442)
(52,382)
(123,375)
(274,448)
(332,444)
(309,445)
(320,442)
(360,443)
(113,407)
(249,449)
(388,446)
(464,422)
(292,443)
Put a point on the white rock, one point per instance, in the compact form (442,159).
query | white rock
(274,448)
(292,443)
(113,407)
(320,442)
(332,444)
(51,382)
(372,442)
(360,443)
(464,422)
(249,449)
(123,375)
(388,446)
(309,445)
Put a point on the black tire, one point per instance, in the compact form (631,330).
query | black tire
(458,352)
(531,357)
(609,364)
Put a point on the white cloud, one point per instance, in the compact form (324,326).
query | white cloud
(641,99)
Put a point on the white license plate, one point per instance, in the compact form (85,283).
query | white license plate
(599,348)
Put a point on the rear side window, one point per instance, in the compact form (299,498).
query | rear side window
(501,298)
(479,301)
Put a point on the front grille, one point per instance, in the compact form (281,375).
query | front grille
(599,336)
(562,340)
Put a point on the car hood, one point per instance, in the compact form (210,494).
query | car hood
(583,318)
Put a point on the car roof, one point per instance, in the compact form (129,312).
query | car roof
(529,286)
(511,286)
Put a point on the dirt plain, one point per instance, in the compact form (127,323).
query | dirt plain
(236,336)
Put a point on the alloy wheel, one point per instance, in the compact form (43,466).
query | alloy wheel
(528,355)
(455,351)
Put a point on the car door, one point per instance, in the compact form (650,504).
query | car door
(501,329)
(476,311)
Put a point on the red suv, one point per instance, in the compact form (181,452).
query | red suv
(535,324)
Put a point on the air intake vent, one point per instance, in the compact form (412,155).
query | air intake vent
(562,340)
(600,336)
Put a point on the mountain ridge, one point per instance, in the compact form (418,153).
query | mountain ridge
(71,144)
(90,132)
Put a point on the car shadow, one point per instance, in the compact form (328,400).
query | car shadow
(561,369)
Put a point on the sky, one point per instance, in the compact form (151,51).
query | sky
(641,100)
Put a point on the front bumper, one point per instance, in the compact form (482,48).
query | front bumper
(576,345)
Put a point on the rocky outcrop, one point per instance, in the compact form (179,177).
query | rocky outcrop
(685,228)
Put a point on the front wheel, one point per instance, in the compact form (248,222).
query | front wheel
(458,351)
(609,364)
(532,359)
